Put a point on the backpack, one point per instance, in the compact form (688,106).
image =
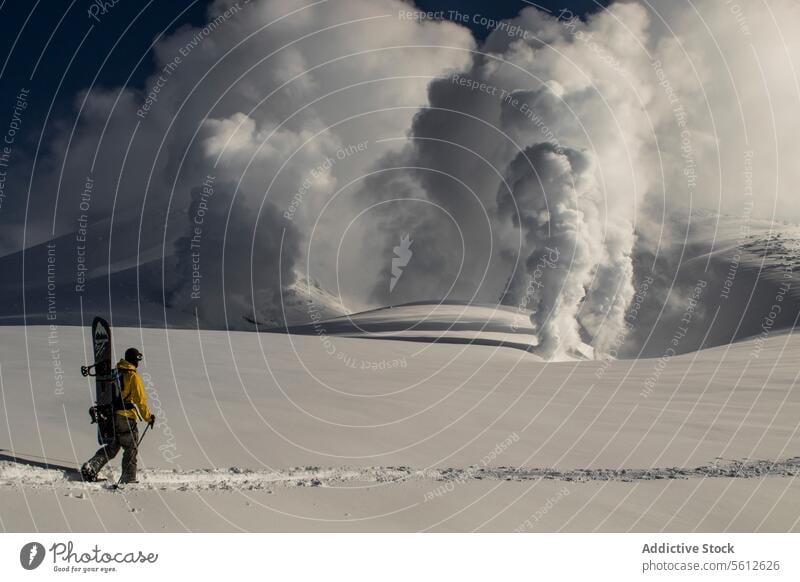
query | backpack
(117,401)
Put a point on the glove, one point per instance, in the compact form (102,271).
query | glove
(152,420)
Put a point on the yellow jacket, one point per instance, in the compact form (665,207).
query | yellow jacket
(132,390)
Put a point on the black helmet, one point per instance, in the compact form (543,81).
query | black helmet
(133,356)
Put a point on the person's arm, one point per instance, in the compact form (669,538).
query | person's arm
(139,397)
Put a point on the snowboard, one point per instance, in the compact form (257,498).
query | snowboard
(104,373)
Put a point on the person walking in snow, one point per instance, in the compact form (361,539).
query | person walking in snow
(129,408)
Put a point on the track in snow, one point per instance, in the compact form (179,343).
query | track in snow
(36,474)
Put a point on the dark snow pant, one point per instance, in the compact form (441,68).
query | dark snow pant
(127,438)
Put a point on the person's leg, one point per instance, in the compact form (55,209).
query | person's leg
(129,440)
(103,455)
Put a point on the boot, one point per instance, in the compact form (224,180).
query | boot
(88,473)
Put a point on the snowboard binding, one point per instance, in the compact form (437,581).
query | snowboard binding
(99,369)
(103,416)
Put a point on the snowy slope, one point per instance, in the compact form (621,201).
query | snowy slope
(450,322)
(306,299)
(292,432)
(738,268)
(125,271)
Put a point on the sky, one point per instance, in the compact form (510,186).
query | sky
(54,47)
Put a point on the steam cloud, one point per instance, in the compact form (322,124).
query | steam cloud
(557,155)
(584,139)
(530,136)
(236,261)
(271,99)
(554,198)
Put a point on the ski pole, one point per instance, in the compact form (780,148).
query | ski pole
(141,438)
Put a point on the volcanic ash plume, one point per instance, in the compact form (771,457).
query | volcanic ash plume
(578,265)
